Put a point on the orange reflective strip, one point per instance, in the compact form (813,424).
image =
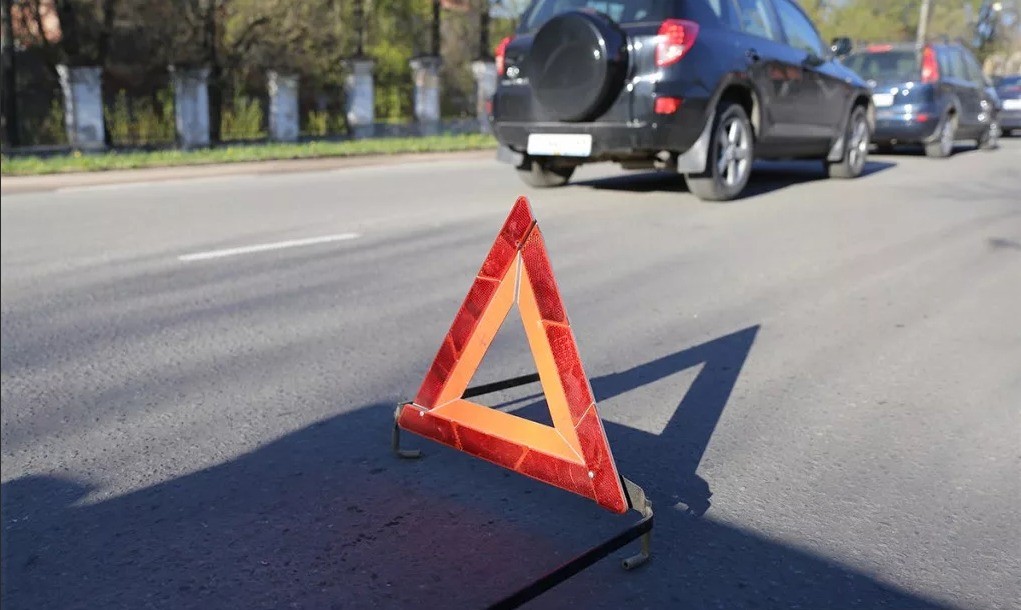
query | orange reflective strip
(480,340)
(544,364)
(517,430)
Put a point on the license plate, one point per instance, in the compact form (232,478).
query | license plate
(882,100)
(560,144)
(1012,104)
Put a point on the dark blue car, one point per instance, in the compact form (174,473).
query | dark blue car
(1008,88)
(931,96)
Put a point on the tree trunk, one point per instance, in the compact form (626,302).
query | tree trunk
(211,42)
(484,52)
(10,82)
(103,51)
(69,42)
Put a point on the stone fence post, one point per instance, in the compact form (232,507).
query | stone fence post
(283,106)
(191,106)
(359,89)
(426,74)
(485,86)
(82,87)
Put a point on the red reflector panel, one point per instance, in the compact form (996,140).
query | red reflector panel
(879,48)
(569,369)
(930,67)
(501,55)
(676,36)
(541,275)
(667,105)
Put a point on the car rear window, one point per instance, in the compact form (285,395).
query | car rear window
(621,11)
(884,65)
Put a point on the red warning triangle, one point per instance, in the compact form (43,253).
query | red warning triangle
(572,454)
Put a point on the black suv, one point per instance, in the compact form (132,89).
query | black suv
(701,87)
(932,96)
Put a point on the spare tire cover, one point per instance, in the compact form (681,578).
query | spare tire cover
(577,65)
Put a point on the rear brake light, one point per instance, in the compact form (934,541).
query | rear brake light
(676,36)
(501,55)
(667,105)
(879,48)
(930,67)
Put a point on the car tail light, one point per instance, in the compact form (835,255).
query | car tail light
(676,36)
(879,48)
(667,105)
(501,55)
(930,67)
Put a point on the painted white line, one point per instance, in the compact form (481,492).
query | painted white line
(280,245)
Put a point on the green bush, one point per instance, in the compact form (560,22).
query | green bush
(141,121)
(118,119)
(47,130)
(318,123)
(242,120)
(339,123)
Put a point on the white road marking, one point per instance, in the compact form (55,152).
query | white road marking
(293,243)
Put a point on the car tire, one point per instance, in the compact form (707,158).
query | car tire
(990,138)
(731,146)
(856,147)
(540,175)
(943,146)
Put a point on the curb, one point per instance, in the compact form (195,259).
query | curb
(12,185)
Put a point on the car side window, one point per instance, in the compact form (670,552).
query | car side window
(957,67)
(800,32)
(709,11)
(943,57)
(753,17)
(975,74)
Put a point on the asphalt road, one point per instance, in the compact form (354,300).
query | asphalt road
(819,386)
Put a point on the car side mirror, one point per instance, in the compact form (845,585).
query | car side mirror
(813,60)
(841,46)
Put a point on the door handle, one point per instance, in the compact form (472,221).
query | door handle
(752,54)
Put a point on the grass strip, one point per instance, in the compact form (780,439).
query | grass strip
(93,162)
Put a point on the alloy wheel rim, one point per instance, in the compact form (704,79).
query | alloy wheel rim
(859,144)
(947,137)
(733,157)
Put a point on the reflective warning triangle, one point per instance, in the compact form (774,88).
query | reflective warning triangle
(572,454)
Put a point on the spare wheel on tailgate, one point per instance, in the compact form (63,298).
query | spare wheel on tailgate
(577,65)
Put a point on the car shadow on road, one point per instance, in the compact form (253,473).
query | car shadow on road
(767,177)
(917,150)
(328,517)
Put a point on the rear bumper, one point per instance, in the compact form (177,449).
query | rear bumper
(610,141)
(905,126)
(1009,119)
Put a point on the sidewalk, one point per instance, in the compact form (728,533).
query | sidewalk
(11,185)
